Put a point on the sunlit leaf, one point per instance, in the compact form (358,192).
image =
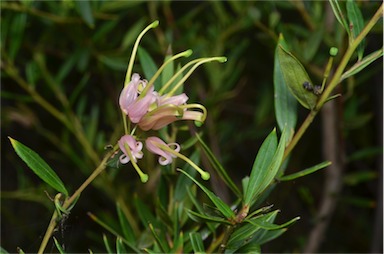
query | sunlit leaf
(39,166)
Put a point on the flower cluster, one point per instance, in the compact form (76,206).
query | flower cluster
(148,109)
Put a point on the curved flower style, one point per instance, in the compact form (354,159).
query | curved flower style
(127,141)
(155,144)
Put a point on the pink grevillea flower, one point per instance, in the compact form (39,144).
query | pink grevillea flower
(164,115)
(173,100)
(157,146)
(132,102)
(127,141)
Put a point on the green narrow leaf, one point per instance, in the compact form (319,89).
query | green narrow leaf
(269,236)
(106,244)
(125,226)
(356,22)
(17,32)
(263,173)
(260,222)
(85,10)
(38,166)
(168,71)
(305,172)
(144,213)
(339,14)
(3,251)
(199,208)
(205,218)
(294,76)
(163,245)
(219,168)
(251,247)
(112,231)
(359,66)
(248,232)
(148,65)
(263,159)
(58,246)
(223,207)
(131,35)
(197,242)
(285,103)
(183,182)
(120,248)
(115,63)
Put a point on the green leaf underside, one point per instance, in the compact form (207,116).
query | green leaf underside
(285,103)
(294,76)
(223,208)
(39,166)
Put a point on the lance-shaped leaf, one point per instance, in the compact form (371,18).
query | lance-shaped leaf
(197,242)
(356,23)
(305,171)
(266,166)
(38,166)
(359,66)
(295,76)
(220,205)
(285,103)
(339,14)
(150,66)
(218,167)
(205,218)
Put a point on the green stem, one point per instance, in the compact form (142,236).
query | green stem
(334,81)
(70,200)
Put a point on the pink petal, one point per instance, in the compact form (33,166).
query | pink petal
(152,144)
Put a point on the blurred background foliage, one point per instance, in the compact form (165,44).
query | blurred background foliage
(74,55)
